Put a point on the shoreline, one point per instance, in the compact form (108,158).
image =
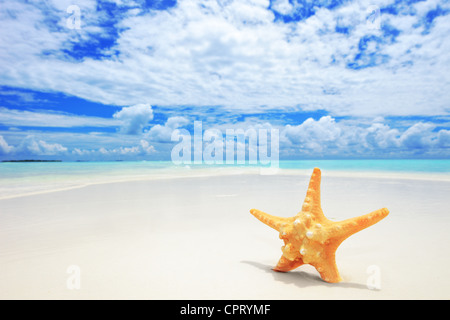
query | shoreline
(193,173)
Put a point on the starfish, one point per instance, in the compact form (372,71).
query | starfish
(311,238)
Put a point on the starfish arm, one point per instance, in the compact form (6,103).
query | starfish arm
(312,200)
(285,265)
(272,221)
(328,270)
(346,228)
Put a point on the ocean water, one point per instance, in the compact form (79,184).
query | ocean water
(404,166)
(19,178)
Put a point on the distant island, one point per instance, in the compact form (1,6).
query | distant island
(31,160)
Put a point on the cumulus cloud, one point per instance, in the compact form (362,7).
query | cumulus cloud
(143,148)
(81,152)
(4,147)
(444,138)
(380,135)
(31,146)
(163,133)
(146,147)
(327,136)
(134,118)
(322,137)
(312,134)
(282,6)
(418,136)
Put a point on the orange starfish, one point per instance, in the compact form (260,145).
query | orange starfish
(310,238)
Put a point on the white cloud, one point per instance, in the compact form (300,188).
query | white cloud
(312,134)
(31,146)
(144,148)
(323,137)
(4,147)
(231,55)
(78,145)
(236,56)
(176,122)
(163,133)
(47,118)
(419,135)
(282,6)
(423,7)
(135,118)
(380,135)
(81,152)
(444,138)
(326,137)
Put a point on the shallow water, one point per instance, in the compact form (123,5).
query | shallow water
(20,178)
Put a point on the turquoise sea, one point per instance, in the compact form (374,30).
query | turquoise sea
(29,177)
(413,166)
(27,169)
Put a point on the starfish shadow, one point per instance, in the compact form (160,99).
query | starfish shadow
(302,279)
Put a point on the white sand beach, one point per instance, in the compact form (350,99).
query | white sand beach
(194,238)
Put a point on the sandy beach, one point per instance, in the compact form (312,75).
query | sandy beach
(194,238)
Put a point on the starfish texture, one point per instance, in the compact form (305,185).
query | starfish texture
(310,238)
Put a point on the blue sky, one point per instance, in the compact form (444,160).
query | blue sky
(338,79)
